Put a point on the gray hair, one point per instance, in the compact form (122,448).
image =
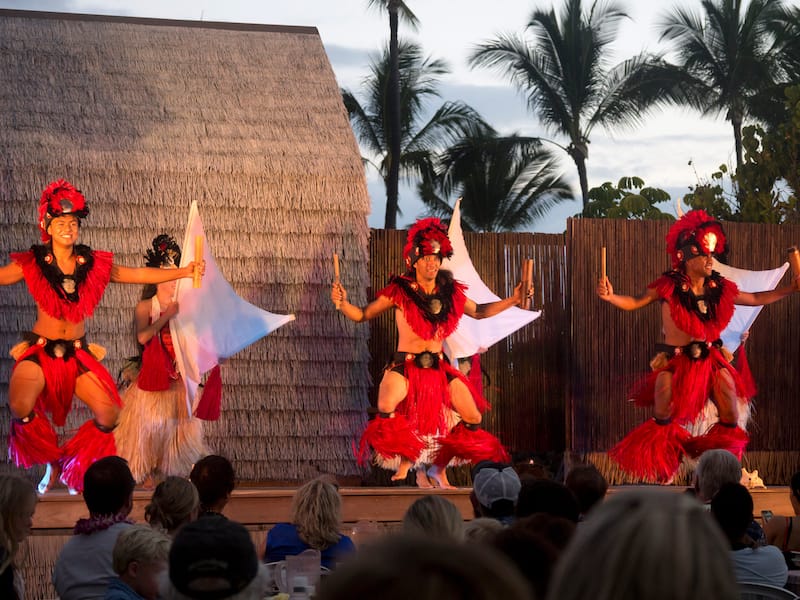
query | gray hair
(714,469)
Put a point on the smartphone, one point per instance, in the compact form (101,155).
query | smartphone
(766,515)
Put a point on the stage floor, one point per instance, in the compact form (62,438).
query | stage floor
(261,507)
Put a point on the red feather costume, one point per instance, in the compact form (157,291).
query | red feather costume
(654,450)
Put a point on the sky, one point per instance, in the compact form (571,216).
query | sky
(672,150)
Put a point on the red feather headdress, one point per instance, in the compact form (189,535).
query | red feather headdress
(58,199)
(696,234)
(426,236)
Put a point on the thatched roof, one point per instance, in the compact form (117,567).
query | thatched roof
(146,115)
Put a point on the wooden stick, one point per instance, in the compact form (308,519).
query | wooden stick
(603,263)
(197,276)
(336,281)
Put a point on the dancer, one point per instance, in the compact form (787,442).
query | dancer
(157,434)
(54,361)
(422,398)
(691,365)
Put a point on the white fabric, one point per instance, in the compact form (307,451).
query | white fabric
(214,323)
(473,335)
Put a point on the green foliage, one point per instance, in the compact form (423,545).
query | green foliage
(629,199)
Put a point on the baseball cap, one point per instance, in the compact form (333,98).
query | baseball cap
(496,481)
(212,558)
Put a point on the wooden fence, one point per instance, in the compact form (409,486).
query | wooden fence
(560,383)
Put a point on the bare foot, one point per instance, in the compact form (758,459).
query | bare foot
(422,479)
(439,477)
(50,476)
(402,470)
(149,482)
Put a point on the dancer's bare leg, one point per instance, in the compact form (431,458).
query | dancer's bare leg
(724,390)
(391,392)
(662,405)
(422,479)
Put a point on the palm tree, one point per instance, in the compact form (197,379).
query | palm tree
(724,57)
(565,73)
(505,183)
(396,9)
(418,140)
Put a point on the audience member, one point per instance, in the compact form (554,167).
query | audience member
(556,530)
(784,532)
(17,505)
(732,507)
(546,496)
(175,502)
(532,555)
(425,568)
(139,559)
(214,478)
(482,530)
(495,488)
(434,516)
(316,523)
(647,543)
(714,469)
(588,486)
(213,558)
(84,568)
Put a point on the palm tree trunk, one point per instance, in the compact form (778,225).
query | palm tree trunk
(580,161)
(393,112)
(737,141)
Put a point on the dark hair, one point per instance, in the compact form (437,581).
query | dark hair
(533,556)
(214,478)
(732,507)
(588,485)
(546,496)
(795,485)
(108,486)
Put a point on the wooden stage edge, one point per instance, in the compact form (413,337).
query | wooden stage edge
(261,507)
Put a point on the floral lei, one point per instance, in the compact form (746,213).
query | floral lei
(99,523)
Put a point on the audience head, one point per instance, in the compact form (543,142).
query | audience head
(108,487)
(211,559)
(434,516)
(175,502)
(496,489)
(556,530)
(17,505)
(546,496)
(794,496)
(317,513)
(424,568)
(140,558)
(532,555)
(732,507)
(715,468)
(214,478)
(650,543)
(482,530)
(587,485)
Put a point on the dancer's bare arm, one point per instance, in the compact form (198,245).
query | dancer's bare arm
(120,274)
(145,330)
(490,309)
(378,306)
(765,297)
(606,292)
(10,273)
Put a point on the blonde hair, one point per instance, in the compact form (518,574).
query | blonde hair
(434,516)
(317,513)
(655,544)
(175,502)
(482,530)
(139,543)
(16,493)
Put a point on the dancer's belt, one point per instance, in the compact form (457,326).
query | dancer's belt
(424,360)
(55,348)
(692,350)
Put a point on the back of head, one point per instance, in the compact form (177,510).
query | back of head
(214,478)
(17,498)
(714,469)
(732,507)
(211,559)
(317,513)
(532,555)
(546,496)
(175,502)
(108,486)
(139,543)
(496,487)
(402,567)
(588,485)
(482,530)
(434,516)
(648,543)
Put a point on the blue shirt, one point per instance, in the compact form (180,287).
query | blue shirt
(283,540)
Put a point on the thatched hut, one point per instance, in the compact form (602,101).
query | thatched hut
(146,115)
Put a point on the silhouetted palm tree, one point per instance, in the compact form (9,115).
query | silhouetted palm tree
(725,57)
(505,183)
(419,140)
(564,70)
(396,10)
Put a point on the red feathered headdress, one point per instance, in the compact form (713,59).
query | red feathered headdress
(58,199)
(427,236)
(696,234)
